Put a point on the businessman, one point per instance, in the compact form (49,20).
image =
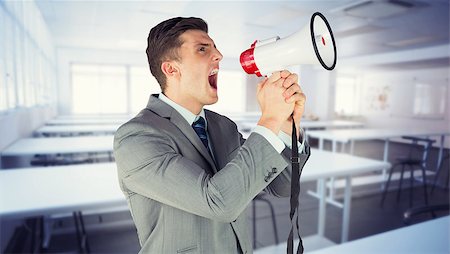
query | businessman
(186,172)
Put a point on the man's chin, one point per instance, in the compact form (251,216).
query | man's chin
(212,101)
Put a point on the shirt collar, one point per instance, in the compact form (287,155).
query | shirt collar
(186,114)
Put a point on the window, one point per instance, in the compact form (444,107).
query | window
(3,91)
(121,89)
(19,65)
(231,91)
(142,85)
(99,89)
(24,43)
(347,96)
(429,100)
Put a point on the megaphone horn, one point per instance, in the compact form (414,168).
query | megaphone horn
(314,44)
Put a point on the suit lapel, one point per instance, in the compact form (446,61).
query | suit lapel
(166,111)
(190,134)
(216,139)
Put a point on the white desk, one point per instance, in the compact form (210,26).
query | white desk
(77,129)
(94,116)
(346,136)
(89,121)
(246,127)
(330,124)
(68,145)
(323,165)
(39,191)
(79,187)
(426,237)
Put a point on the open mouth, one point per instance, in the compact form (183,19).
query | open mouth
(212,78)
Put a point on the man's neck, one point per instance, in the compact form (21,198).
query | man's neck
(184,102)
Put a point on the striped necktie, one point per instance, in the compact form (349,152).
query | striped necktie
(200,128)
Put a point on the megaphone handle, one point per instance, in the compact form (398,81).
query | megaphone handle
(295,191)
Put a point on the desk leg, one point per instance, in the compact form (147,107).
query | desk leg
(343,147)
(331,182)
(322,206)
(36,233)
(385,159)
(352,146)
(81,233)
(346,210)
(331,186)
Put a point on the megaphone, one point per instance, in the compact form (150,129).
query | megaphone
(314,44)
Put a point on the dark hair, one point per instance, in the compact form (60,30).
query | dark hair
(163,42)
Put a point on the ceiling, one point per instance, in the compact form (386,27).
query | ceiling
(360,27)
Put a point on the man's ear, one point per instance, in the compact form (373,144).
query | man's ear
(170,69)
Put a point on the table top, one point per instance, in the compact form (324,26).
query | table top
(366,134)
(91,128)
(58,145)
(305,124)
(325,164)
(330,124)
(427,237)
(89,121)
(94,116)
(45,190)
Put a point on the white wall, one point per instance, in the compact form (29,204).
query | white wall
(401,87)
(319,87)
(21,123)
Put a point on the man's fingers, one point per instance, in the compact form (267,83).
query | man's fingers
(297,97)
(285,73)
(274,77)
(289,80)
(294,88)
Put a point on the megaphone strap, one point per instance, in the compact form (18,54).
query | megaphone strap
(295,191)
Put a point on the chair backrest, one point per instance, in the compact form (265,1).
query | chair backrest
(420,147)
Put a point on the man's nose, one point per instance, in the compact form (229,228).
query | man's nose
(217,55)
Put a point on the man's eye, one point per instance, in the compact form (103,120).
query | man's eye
(203,49)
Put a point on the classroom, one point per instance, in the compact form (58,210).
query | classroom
(90,145)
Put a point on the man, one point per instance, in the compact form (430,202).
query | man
(186,172)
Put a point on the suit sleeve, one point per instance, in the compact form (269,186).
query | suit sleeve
(281,185)
(149,165)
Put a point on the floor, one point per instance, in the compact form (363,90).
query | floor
(115,232)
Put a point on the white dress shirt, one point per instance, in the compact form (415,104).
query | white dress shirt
(278,142)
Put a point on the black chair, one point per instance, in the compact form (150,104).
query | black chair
(417,157)
(439,170)
(413,214)
(261,197)
(58,160)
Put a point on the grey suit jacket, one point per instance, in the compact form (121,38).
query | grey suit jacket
(181,200)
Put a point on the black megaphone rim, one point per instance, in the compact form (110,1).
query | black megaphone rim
(314,41)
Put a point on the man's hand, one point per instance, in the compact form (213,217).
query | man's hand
(293,94)
(275,108)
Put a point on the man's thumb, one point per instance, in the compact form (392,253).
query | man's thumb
(261,84)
